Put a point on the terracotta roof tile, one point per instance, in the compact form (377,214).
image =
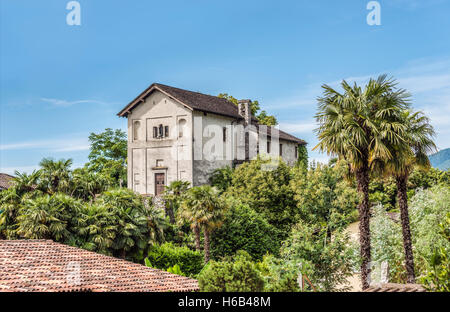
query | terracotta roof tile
(392,287)
(43,265)
(5,180)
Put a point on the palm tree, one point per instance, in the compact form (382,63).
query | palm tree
(173,195)
(202,208)
(86,184)
(410,153)
(55,174)
(24,182)
(359,125)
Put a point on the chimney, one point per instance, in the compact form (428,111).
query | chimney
(245,111)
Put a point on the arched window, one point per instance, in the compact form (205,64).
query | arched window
(136,126)
(161,131)
(181,127)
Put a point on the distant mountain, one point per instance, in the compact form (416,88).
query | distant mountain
(441,160)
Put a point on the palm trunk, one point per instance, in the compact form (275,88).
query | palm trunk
(407,242)
(207,248)
(169,212)
(197,237)
(362,177)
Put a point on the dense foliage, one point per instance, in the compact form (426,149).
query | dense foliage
(266,189)
(108,155)
(238,273)
(265,225)
(168,255)
(244,229)
(73,207)
(428,208)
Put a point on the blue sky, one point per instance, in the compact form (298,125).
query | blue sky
(58,83)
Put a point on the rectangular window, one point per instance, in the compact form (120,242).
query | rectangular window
(155,132)
(281,149)
(161,131)
(268,147)
(166,131)
(224,131)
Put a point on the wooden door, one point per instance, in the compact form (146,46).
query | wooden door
(159,183)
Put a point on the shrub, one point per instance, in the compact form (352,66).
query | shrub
(48,217)
(387,245)
(238,274)
(222,178)
(244,229)
(130,219)
(437,277)
(327,261)
(266,190)
(168,255)
(323,196)
(427,210)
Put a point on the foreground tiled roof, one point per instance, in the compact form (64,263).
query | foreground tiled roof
(46,266)
(392,287)
(198,101)
(5,181)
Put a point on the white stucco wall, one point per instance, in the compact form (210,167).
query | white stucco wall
(207,127)
(173,154)
(190,156)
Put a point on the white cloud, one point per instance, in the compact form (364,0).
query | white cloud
(65,103)
(11,170)
(300,127)
(53,145)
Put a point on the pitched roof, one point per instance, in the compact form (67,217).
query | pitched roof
(194,100)
(393,287)
(288,137)
(46,266)
(198,101)
(5,180)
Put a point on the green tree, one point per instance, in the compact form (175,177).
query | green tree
(109,155)
(202,208)
(262,117)
(48,217)
(86,184)
(407,153)
(10,202)
(168,255)
(360,125)
(428,208)
(239,274)
(130,218)
(222,178)
(95,228)
(173,196)
(437,278)
(266,189)
(244,229)
(24,182)
(324,197)
(302,159)
(55,175)
(327,262)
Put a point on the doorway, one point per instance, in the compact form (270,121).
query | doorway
(159,183)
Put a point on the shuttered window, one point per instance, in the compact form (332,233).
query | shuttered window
(166,131)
